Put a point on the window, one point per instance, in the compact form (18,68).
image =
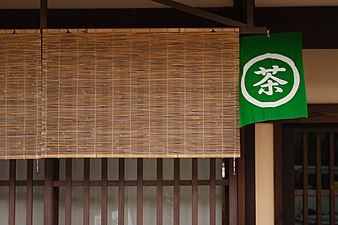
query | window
(113,191)
(310,174)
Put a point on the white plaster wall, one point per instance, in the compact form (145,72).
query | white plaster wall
(264,174)
(321,75)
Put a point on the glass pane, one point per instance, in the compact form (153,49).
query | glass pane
(95,206)
(325,160)
(203,169)
(62,205)
(312,160)
(113,169)
(38,205)
(149,169)
(130,206)
(149,205)
(312,210)
(130,169)
(185,205)
(299,210)
(77,206)
(20,205)
(62,169)
(168,169)
(185,169)
(21,169)
(77,169)
(4,202)
(203,205)
(112,206)
(325,210)
(298,158)
(95,169)
(168,205)
(4,168)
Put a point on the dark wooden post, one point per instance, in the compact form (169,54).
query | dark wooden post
(232,194)
(51,203)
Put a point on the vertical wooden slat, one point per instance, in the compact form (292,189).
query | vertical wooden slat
(176,191)
(49,193)
(43,14)
(86,191)
(319,178)
(159,195)
(56,201)
(121,193)
(332,180)
(225,196)
(68,204)
(29,193)
(213,191)
(241,181)
(288,177)
(104,194)
(232,194)
(12,175)
(194,193)
(305,180)
(139,191)
(250,185)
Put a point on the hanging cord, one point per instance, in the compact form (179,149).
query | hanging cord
(234,166)
(268,33)
(37,166)
(223,169)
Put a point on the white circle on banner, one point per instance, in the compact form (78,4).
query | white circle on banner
(281,101)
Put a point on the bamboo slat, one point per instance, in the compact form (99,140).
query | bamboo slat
(120,93)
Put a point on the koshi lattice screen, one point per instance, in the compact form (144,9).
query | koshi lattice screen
(120,93)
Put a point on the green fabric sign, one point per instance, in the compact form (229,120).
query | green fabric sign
(272,82)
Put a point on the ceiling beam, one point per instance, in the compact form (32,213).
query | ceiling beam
(317,24)
(250,12)
(245,10)
(201,13)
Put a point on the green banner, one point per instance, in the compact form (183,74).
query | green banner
(272,85)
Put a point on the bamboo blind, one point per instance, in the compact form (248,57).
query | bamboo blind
(128,93)
(20,69)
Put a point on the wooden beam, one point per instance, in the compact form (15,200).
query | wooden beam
(250,13)
(253,30)
(302,19)
(201,13)
(245,10)
(43,14)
